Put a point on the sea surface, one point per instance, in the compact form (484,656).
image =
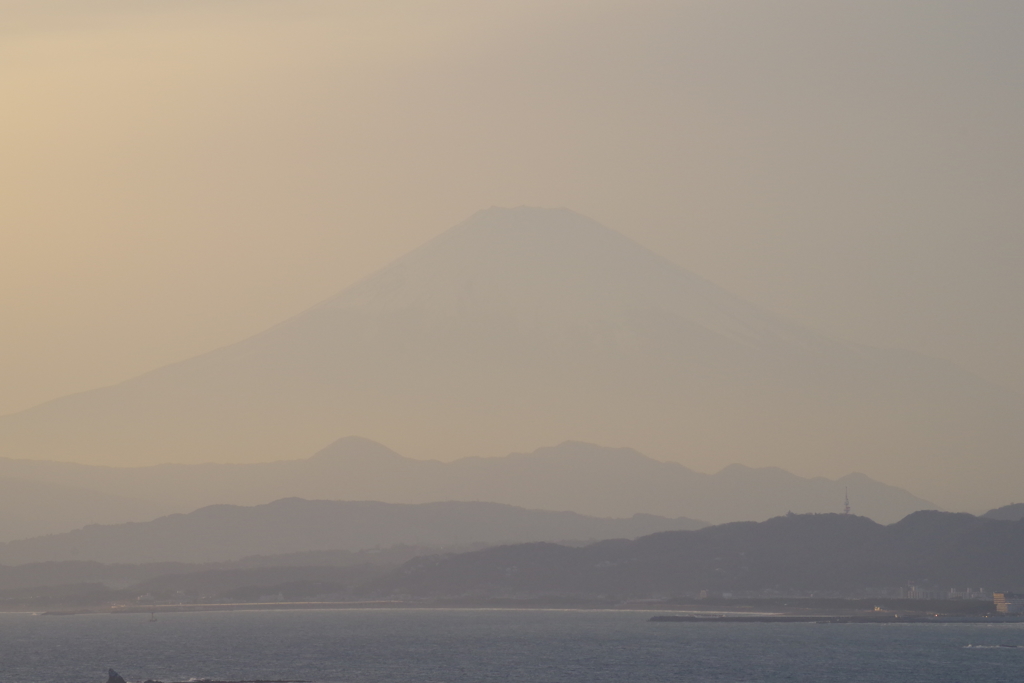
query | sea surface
(494,645)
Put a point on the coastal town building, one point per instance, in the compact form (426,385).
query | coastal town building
(1009,603)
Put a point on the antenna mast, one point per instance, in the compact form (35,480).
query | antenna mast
(846,504)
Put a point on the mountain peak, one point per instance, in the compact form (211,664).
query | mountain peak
(526,258)
(556,274)
(355,447)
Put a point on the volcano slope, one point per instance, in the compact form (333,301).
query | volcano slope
(523,327)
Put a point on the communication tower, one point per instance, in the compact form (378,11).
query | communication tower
(846,502)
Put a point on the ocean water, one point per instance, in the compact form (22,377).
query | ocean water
(409,645)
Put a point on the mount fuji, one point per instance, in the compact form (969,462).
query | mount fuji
(525,327)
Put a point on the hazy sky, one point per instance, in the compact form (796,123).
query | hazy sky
(175,176)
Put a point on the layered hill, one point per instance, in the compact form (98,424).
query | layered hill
(523,327)
(1013,512)
(796,553)
(221,533)
(573,476)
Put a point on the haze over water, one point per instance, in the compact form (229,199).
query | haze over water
(455,646)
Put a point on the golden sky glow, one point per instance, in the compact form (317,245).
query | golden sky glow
(177,176)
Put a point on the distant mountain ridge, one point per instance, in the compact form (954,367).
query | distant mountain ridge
(575,476)
(221,533)
(1013,512)
(527,326)
(843,554)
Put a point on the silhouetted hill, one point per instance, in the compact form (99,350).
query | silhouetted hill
(840,553)
(574,476)
(88,584)
(229,532)
(528,326)
(1013,512)
(830,554)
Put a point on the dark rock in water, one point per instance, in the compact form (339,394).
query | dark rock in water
(114,677)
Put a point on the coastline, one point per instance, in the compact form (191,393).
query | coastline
(739,611)
(837,619)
